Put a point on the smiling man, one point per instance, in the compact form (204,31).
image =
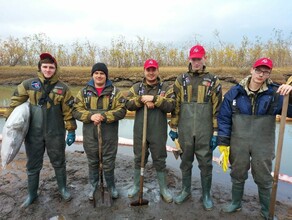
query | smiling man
(51,103)
(100,103)
(158,97)
(246,129)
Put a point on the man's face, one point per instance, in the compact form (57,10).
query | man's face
(151,75)
(48,69)
(260,74)
(197,63)
(99,79)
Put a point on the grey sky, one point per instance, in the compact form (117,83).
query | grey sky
(175,21)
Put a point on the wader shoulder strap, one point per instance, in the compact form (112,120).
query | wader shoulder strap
(210,88)
(111,98)
(184,82)
(86,98)
(141,90)
(45,95)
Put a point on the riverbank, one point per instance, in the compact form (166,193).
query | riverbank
(126,77)
(48,205)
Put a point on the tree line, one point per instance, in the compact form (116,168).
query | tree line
(123,53)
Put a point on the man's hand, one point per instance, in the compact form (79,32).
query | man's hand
(150,105)
(284,89)
(147,98)
(173,134)
(214,141)
(70,138)
(97,118)
(224,157)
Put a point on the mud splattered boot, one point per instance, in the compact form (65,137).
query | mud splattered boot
(237,193)
(61,180)
(186,188)
(135,188)
(164,192)
(93,180)
(206,183)
(32,187)
(110,181)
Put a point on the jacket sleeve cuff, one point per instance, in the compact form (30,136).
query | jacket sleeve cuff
(223,140)
(104,115)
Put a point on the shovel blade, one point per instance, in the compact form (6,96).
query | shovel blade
(140,202)
(177,153)
(102,197)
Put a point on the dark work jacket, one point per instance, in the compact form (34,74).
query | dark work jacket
(236,101)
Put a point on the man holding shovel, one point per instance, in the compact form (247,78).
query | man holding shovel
(158,97)
(198,96)
(100,105)
(246,129)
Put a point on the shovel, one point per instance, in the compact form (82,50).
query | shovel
(278,156)
(104,196)
(141,201)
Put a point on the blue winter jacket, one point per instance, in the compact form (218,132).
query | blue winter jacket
(236,101)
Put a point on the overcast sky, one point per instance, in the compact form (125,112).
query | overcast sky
(176,21)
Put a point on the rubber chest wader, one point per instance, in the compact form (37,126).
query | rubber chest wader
(50,134)
(156,138)
(253,136)
(195,131)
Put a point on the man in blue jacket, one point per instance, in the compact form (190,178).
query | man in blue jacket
(246,123)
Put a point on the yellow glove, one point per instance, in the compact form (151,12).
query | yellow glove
(224,157)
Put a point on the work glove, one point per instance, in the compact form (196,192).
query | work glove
(214,141)
(173,134)
(224,157)
(70,137)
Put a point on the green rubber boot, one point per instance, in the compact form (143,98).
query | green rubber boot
(136,187)
(164,192)
(32,188)
(206,182)
(110,181)
(61,180)
(237,193)
(93,180)
(186,188)
(264,196)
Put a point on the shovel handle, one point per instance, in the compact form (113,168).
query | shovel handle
(100,157)
(143,153)
(278,156)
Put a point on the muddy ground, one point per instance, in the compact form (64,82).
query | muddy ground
(50,206)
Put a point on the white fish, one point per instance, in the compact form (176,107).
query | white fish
(14,132)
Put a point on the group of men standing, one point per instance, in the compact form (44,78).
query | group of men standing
(242,125)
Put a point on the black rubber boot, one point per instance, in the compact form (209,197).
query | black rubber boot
(136,186)
(186,188)
(164,192)
(237,193)
(206,188)
(93,181)
(61,180)
(32,188)
(110,181)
